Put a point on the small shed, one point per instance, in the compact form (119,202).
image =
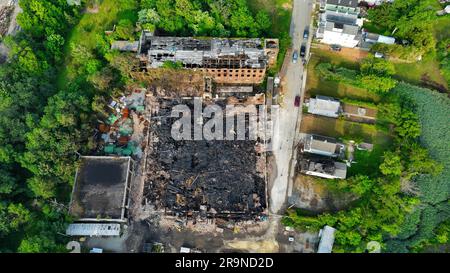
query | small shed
(326,239)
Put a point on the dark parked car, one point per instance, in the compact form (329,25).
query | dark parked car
(335,47)
(295,57)
(297,101)
(306,33)
(303,51)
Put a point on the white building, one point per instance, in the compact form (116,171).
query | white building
(343,6)
(93,229)
(339,28)
(326,239)
(324,106)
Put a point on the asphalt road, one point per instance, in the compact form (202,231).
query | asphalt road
(286,125)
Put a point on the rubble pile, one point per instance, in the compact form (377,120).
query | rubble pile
(199,177)
(123,132)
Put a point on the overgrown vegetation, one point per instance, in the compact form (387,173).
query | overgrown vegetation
(408,20)
(30,218)
(420,34)
(426,224)
(375,75)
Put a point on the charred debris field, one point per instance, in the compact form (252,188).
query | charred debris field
(217,178)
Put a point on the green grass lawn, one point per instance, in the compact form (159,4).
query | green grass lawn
(92,24)
(428,68)
(343,129)
(442,27)
(413,73)
(366,162)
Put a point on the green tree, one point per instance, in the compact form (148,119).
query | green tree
(392,164)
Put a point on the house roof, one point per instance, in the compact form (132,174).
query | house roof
(377,38)
(344,3)
(323,146)
(347,29)
(125,46)
(320,145)
(323,103)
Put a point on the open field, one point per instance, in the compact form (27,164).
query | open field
(317,86)
(425,70)
(339,128)
(91,25)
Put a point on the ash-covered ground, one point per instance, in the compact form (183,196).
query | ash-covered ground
(213,178)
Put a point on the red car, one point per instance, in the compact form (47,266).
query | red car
(297,101)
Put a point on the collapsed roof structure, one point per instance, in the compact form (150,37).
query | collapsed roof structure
(100,189)
(225,60)
(201,178)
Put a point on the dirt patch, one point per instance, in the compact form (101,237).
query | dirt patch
(263,246)
(351,54)
(311,194)
(287,6)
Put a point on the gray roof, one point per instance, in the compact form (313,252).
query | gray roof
(344,3)
(352,30)
(346,19)
(347,29)
(341,170)
(324,146)
(100,188)
(326,240)
(125,46)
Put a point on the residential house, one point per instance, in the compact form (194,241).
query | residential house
(320,145)
(323,167)
(339,28)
